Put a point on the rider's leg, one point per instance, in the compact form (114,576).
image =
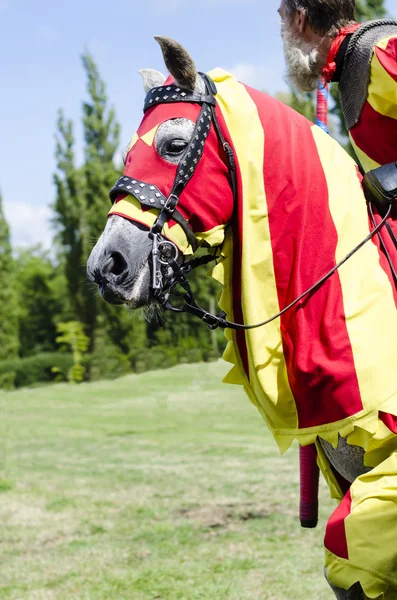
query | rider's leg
(360,540)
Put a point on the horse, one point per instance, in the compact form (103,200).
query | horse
(280,208)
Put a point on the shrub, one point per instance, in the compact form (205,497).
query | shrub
(7,379)
(107,362)
(192,355)
(165,356)
(71,336)
(40,368)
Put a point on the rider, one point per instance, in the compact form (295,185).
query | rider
(322,38)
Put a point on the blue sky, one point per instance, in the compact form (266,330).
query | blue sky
(40,71)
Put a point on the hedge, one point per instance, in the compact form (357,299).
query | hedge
(42,367)
(107,364)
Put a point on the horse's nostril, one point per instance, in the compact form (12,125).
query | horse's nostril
(117,264)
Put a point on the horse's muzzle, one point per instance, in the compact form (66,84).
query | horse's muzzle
(110,275)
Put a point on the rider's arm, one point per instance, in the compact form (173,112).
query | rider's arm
(380,183)
(374,137)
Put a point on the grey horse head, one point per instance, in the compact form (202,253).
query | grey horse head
(120,261)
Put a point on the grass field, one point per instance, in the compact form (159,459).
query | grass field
(165,485)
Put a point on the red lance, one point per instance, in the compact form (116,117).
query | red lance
(309,471)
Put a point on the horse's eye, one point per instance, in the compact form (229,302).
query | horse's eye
(176,146)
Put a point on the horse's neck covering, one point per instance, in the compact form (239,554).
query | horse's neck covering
(328,364)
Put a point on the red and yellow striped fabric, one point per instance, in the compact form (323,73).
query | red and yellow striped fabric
(315,371)
(374,138)
(328,365)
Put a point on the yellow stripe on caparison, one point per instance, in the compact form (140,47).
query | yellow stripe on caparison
(267,367)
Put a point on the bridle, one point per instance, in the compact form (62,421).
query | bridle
(164,252)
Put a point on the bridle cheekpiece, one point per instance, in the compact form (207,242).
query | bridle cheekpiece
(164,252)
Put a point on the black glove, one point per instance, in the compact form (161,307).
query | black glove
(380,186)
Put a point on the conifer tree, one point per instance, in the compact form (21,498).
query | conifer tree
(8,303)
(70,216)
(101,133)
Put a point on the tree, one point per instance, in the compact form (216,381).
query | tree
(370,9)
(42,301)
(9,345)
(71,336)
(70,216)
(101,133)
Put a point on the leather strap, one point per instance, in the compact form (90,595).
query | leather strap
(173,93)
(149,195)
(194,151)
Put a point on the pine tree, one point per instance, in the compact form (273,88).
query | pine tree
(70,216)
(9,344)
(101,133)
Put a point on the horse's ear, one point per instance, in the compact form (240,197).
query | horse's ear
(178,61)
(151,78)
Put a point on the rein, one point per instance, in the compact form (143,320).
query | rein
(164,252)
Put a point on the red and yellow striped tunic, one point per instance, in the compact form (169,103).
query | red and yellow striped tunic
(374,138)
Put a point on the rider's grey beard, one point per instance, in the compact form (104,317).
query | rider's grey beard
(303,61)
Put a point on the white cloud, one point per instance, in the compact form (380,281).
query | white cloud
(262,78)
(29,225)
(250,74)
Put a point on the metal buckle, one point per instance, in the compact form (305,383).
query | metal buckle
(171,203)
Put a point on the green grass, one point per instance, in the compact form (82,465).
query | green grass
(165,485)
